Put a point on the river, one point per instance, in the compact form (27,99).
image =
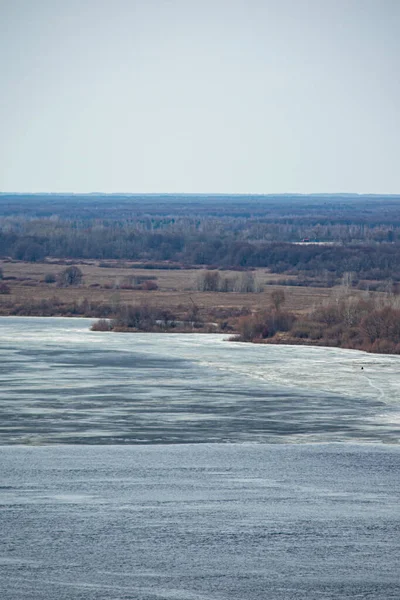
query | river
(62,383)
(187,467)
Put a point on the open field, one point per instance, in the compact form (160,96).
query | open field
(177,289)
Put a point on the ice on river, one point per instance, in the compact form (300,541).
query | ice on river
(60,382)
(160,509)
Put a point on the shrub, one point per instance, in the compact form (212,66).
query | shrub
(49,278)
(276,320)
(329,314)
(384,347)
(250,328)
(208,281)
(138,279)
(70,276)
(264,325)
(141,317)
(4,288)
(245,283)
(101,325)
(277,298)
(303,330)
(227,284)
(149,285)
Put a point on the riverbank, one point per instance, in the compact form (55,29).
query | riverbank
(123,297)
(348,322)
(370,324)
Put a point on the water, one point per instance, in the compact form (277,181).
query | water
(62,383)
(179,467)
(200,522)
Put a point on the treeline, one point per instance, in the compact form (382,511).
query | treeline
(360,212)
(144,317)
(116,316)
(270,218)
(344,234)
(327,262)
(347,322)
(246,225)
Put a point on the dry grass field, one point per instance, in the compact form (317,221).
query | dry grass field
(176,289)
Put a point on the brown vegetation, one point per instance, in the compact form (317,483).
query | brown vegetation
(121,284)
(363,323)
(212,280)
(4,288)
(124,298)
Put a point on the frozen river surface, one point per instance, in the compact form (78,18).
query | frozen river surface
(62,383)
(115,483)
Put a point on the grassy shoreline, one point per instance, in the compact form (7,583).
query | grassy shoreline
(122,299)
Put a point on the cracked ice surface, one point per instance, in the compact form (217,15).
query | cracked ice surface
(62,383)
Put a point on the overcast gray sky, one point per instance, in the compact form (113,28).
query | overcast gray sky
(260,96)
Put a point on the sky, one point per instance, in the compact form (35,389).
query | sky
(185,96)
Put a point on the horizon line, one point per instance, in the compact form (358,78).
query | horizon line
(237,194)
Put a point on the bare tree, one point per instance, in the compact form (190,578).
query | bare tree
(227,284)
(70,276)
(246,283)
(50,278)
(278,298)
(193,314)
(347,280)
(208,281)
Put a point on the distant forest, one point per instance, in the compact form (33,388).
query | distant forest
(315,237)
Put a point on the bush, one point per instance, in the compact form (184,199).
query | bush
(384,347)
(264,325)
(140,317)
(101,325)
(70,276)
(250,328)
(245,283)
(305,330)
(49,278)
(149,285)
(227,284)
(4,289)
(277,298)
(208,281)
(139,279)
